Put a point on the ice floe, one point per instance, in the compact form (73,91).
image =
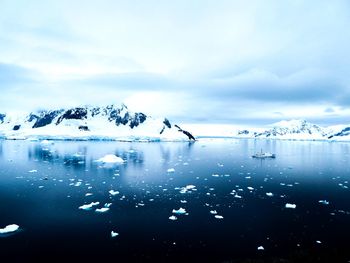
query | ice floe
(9,229)
(324,202)
(89,206)
(102,210)
(187,188)
(292,206)
(110,158)
(112,192)
(173,218)
(180,211)
(269,194)
(213,212)
(261,248)
(114,234)
(171,170)
(219,217)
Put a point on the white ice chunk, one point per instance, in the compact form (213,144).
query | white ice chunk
(33,171)
(89,206)
(110,158)
(219,217)
(9,229)
(269,194)
(171,170)
(293,206)
(213,212)
(114,234)
(173,218)
(261,248)
(180,211)
(324,202)
(112,192)
(102,210)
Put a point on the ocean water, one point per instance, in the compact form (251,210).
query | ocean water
(42,186)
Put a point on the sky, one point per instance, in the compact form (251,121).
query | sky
(245,62)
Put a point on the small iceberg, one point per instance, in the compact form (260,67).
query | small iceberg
(186,188)
(171,170)
(213,212)
(292,206)
(269,194)
(112,192)
(102,210)
(33,171)
(111,158)
(180,211)
(219,217)
(114,234)
(89,206)
(9,229)
(173,218)
(261,248)
(324,202)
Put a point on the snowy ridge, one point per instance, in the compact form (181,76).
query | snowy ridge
(89,123)
(298,130)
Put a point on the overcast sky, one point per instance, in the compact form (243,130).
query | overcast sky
(249,62)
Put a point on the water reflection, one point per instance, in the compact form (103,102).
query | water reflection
(83,157)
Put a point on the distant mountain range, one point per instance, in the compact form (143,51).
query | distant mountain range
(119,123)
(298,130)
(88,122)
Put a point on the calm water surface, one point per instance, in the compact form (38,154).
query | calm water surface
(43,185)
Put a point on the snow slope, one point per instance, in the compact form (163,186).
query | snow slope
(86,123)
(298,130)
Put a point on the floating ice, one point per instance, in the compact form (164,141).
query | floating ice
(46,142)
(107,205)
(293,206)
(187,188)
(324,202)
(89,206)
(88,194)
(110,158)
(261,248)
(250,188)
(318,242)
(213,212)
(173,218)
(9,229)
(269,194)
(102,210)
(219,217)
(180,211)
(33,171)
(114,234)
(171,170)
(112,192)
(215,175)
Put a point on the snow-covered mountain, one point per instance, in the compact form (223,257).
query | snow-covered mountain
(87,122)
(298,130)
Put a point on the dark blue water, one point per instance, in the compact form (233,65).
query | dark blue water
(45,204)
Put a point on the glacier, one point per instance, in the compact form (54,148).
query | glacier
(90,123)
